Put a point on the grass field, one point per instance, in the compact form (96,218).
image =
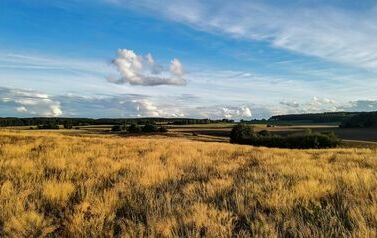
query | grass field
(59,185)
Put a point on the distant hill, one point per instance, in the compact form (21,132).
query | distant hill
(361,120)
(327,117)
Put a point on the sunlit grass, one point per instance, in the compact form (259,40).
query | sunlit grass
(81,186)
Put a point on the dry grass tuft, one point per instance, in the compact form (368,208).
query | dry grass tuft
(58,192)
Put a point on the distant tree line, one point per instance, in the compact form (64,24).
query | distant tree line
(198,121)
(74,122)
(361,120)
(50,125)
(135,128)
(327,117)
(244,134)
(254,121)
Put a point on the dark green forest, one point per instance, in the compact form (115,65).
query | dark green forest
(69,122)
(327,117)
(361,120)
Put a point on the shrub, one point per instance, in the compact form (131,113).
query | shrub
(239,132)
(133,128)
(264,133)
(116,128)
(163,129)
(67,125)
(49,126)
(150,128)
(264,138)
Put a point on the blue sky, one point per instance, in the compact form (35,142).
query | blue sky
(216,59)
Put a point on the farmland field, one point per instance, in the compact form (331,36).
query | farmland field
(222,130)
(219,132)
(75,184)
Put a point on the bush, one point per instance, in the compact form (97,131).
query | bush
(163,129)
(264,133)
(264,138)
(240,131)
(310,141)
(133,128)
(150,128)
(49,126)
(116,128)
(68,125)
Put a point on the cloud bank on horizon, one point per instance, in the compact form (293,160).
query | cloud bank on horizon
(215,59)
(22,103)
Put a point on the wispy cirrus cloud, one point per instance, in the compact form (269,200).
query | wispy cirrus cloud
(321,30)
(27,61)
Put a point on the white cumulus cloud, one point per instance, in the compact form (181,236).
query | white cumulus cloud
(221,112)
(143,70)
(21,109)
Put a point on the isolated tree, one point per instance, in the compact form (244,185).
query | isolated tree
(49,125)
(264,133)
(133,128)
(150,128)
(116,128)
(240,132)
(67,125)
(163,129)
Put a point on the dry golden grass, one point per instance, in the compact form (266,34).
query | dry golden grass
(69,186)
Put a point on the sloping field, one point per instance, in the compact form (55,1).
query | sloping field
(70,186)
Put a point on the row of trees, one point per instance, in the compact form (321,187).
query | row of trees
(199,121)
(134,128)
(244,134)
(52,125)
(38,121)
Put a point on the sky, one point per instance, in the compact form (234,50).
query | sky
(240,59)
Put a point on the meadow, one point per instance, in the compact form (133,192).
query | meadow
(79,185)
